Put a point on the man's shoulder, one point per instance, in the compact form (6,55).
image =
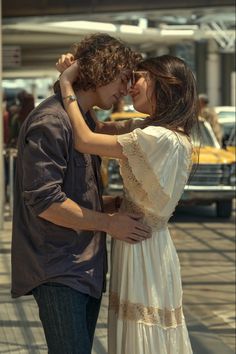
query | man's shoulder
(49,111)
(51,105)
(47,119)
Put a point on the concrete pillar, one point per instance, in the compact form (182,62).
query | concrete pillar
(213,74)
(200,65)
(227,84)
(233,88)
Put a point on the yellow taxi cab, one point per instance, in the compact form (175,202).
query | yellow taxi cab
(212,180)
(118,116)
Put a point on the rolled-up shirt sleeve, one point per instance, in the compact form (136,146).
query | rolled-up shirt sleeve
(44,162)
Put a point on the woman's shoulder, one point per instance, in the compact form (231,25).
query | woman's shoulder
(170,137)
(159,132)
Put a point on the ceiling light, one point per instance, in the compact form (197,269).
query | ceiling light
(143,23)
(87,25)
(175,32)
(131,29)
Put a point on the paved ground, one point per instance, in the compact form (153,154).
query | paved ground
(206,249)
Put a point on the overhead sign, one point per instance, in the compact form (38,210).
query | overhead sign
(11,57)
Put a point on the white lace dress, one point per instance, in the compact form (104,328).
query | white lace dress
(145,303)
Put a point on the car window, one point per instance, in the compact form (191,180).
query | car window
(203,137)
(226,115)
(227,128)
(232,138)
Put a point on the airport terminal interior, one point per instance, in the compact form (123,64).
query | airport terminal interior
(203,33)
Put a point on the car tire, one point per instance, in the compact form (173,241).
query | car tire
(224,208)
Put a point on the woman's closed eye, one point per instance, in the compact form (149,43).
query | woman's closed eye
(136,75)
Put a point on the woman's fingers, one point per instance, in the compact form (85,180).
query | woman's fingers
(69,59)
(64,62)
(61,67)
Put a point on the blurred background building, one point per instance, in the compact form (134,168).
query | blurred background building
(202,32)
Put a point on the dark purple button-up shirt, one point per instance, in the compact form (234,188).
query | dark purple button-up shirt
(49,170)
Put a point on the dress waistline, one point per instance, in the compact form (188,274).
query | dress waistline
(148,218)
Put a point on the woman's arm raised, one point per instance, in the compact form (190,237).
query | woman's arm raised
(85,140)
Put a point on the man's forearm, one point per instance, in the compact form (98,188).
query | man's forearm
(124,227)
(103,127)
(106,128)
(71,215)
(113,127)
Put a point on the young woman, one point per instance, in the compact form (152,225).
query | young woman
(145,308)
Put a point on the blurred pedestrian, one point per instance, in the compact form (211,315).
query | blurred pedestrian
(210,115)
(25,104)
(5,116)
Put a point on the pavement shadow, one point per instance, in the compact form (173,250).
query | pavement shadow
(198,213)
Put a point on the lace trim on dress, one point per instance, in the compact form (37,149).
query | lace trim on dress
(146,314)
(135,156)
(149,218)
(134,169)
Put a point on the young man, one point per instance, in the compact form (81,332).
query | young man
(60,220)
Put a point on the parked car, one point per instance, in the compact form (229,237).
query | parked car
(212,179)
(227,120)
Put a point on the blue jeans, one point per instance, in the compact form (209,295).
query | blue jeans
(68,318)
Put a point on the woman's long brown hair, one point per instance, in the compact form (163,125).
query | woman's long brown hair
(175,93)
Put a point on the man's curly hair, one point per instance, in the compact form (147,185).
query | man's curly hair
(101,58)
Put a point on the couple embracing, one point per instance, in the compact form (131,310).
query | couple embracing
(61,217)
